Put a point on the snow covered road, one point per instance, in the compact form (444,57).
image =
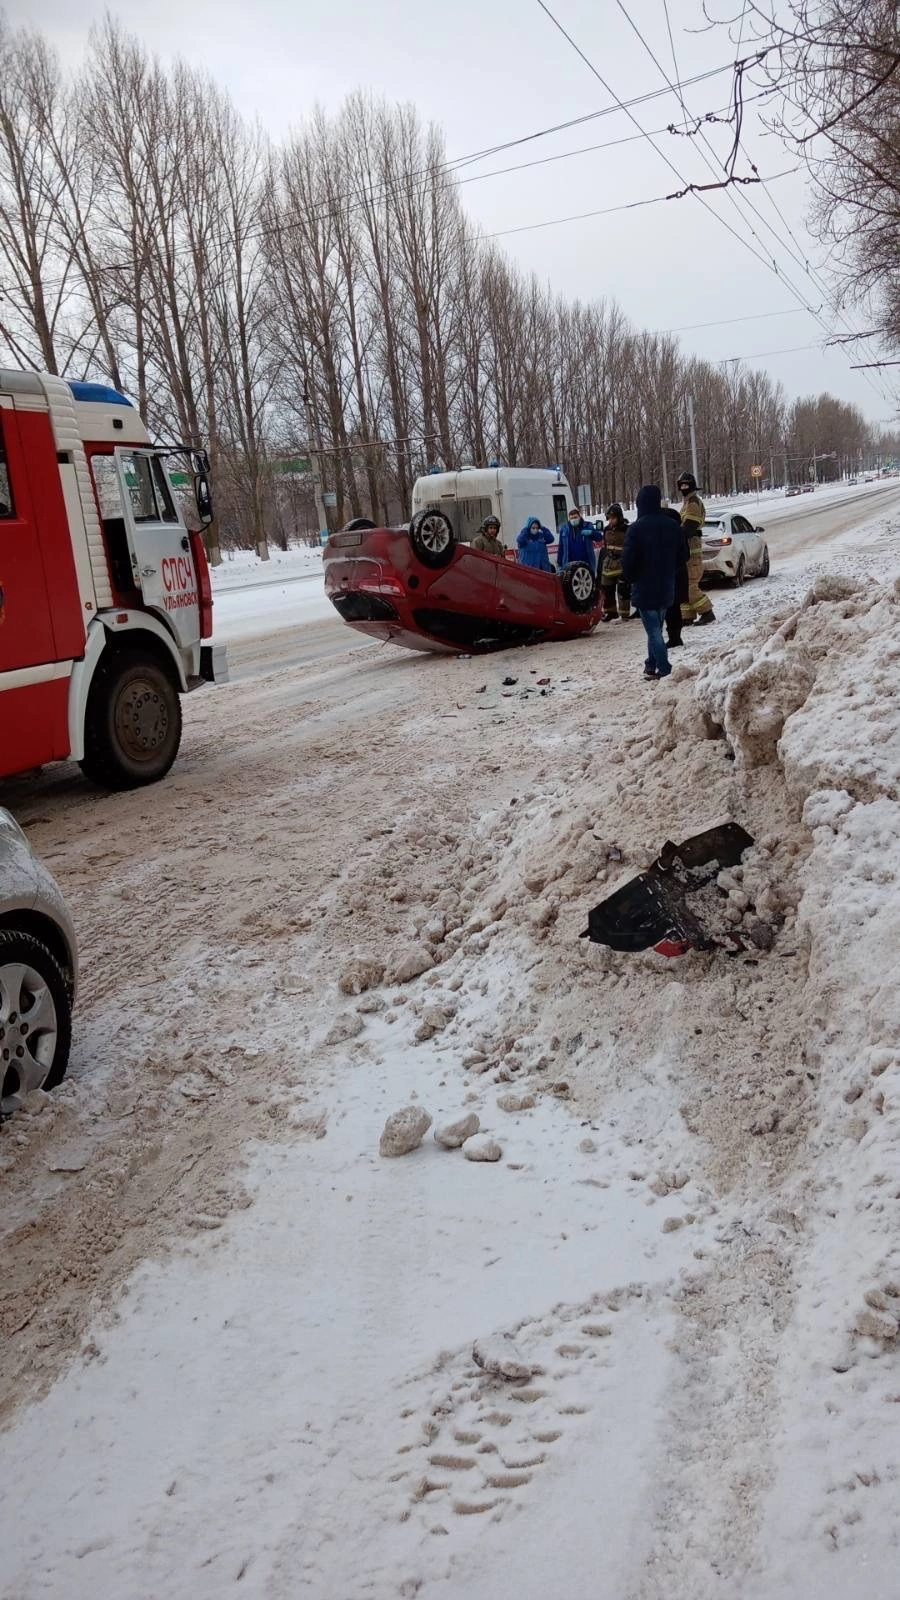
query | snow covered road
(238,1342)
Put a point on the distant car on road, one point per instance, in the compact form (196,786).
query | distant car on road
(734,549)
(38,970)
(852,482)
(792,489)
(425,589)
(808,488)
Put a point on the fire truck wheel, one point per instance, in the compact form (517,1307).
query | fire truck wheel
(133,724)
(35,1016)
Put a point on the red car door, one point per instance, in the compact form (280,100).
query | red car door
(527,596)
(468,584)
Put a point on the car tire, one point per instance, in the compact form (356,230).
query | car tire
(764,564)
(133,723)
(358,525)
(740,575)
(35,995)
(431,536)
(579,586)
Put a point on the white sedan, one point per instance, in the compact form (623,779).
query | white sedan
(38,971)
(734,549)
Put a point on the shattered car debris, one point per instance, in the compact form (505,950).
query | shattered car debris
(668,907)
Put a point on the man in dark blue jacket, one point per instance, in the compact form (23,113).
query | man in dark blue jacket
(654,548)
(578,541)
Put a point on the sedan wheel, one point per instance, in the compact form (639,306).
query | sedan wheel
(432,538)
(579,586)
(35,1016)
(764,564)
(741,573)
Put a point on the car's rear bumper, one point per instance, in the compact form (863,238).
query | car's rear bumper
(719,564)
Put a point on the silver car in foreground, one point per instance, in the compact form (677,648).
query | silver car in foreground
(734,549)
(38,971)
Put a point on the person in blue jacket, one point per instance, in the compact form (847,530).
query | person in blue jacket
(655,549)
(532,543)
(578,541)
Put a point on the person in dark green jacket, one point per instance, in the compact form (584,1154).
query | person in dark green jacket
(488,538)
(616,592)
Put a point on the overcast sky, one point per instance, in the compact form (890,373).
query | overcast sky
(490,71)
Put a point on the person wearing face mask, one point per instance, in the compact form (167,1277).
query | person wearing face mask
(532,544)
(578,541)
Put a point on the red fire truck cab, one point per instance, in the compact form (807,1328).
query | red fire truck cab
(105,596)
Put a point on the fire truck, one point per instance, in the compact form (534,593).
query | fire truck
(105,594)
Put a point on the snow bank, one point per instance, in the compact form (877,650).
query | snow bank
(818,701)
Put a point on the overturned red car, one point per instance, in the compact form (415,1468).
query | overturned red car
(425,589)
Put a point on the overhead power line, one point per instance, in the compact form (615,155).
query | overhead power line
(725,322)
(742,241)
(627,205)
(798,259)
(761,355)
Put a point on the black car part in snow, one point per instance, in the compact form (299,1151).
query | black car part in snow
(663,907)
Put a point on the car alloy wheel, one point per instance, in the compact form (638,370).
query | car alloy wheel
(29,1028)
(432,538)
(582,584)
(434,534)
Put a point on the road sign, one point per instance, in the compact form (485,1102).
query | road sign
(583,495)
(756,472)
(329,498)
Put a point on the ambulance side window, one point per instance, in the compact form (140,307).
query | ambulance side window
(560,510)
(7,508)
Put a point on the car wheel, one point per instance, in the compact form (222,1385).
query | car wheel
(133,724)
(579,586)
(764,564)
(35,1016)
(432,537)
(741,573)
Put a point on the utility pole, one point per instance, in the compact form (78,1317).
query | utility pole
(313,454)
(321,511)
(694,468)
(665,471)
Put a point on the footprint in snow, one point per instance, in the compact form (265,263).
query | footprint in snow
(484,1437)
